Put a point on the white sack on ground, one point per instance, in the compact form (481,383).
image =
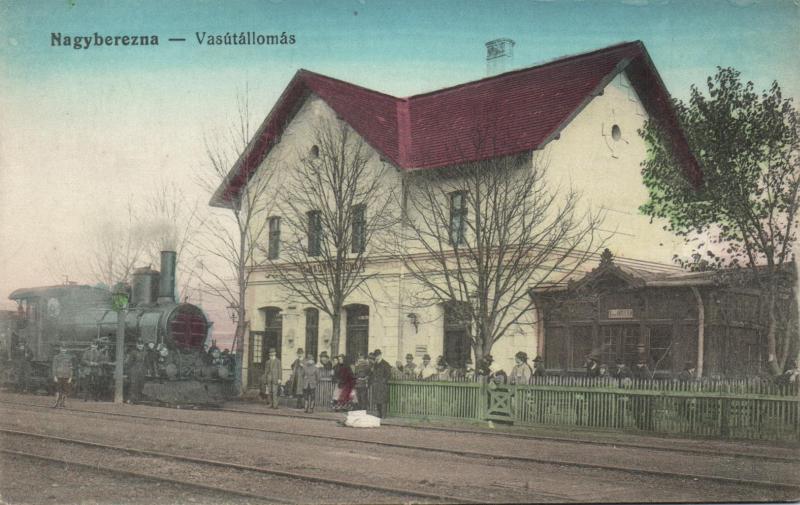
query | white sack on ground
(360,419)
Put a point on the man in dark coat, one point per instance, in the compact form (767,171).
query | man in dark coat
(538,367)
(23,356)
(325,364)
(296,388)
(379,380)
(92,361)
(136,370)
(592,366)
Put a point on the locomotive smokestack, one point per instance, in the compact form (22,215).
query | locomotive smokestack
(166,284)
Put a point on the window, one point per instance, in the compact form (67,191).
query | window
(359,228)
(256,347)
(616,132)
(314,151)
(661,347)
(312,332)
(274,238)
(458,217)
(314,232)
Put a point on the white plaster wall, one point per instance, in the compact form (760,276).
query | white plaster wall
(585,157)
(608,174)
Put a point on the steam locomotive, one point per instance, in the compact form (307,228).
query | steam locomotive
(75,316)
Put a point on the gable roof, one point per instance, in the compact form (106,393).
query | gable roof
(519,111)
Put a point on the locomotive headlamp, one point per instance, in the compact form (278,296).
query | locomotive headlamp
(119,298)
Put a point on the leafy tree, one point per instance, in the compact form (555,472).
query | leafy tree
(743,215)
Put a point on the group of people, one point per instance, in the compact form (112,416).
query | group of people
(93,374)
(353,382)
(521,373)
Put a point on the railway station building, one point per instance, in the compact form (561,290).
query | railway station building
(581,113)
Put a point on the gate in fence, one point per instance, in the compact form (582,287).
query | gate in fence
(724,410)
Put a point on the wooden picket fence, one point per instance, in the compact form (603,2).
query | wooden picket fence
(749,409)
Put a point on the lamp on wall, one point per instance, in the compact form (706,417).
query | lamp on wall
(233,312)
(412,317)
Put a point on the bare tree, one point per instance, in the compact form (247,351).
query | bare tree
(338,206)
(480,236)
(228,244)
(115,248)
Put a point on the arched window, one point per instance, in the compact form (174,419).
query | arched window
(457,341)
(312,332)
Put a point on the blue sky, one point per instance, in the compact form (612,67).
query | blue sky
(414,45)
(83,130)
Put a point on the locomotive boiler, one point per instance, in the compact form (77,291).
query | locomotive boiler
(75,316)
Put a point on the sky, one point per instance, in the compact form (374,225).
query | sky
(83,131)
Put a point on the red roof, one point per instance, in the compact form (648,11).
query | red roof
(519,111)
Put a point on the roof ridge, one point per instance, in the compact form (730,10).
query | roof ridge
(552,62)
(304,72)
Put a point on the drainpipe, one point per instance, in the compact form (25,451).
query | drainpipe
(701,324)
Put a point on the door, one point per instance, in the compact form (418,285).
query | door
(357,331)
(273,331)
(255,359)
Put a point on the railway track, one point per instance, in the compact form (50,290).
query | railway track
(222,491)
(483,455)
(519,436)
(404,495)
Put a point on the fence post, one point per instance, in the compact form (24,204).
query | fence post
(724,414)
(484,401)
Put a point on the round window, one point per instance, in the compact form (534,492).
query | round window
(616,133)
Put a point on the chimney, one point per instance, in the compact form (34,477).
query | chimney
(499,56)
(166,283)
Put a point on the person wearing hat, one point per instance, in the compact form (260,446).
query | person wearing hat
(410,368)
(538,367)
(135,361)
(271,380)
(521,373)
(325,362)
(641,371)
(379,380)
(427,371)
(592,366)
(62,375)
(621,372)
(92,361)
(362,370)
(310,377)
(296,386)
